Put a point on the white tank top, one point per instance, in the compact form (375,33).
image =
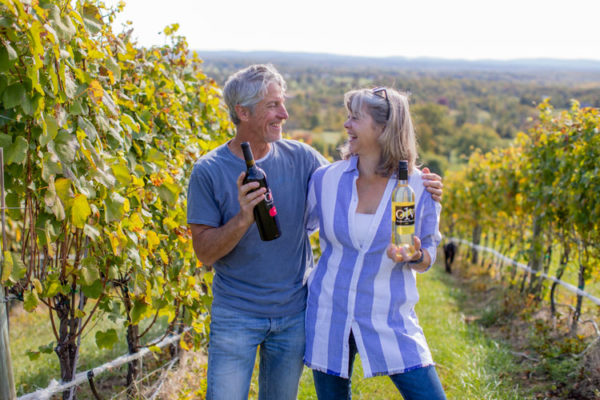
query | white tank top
(361,226)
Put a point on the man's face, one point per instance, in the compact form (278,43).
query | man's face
(269,115)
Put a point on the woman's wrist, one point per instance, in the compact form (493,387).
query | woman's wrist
(418,260)
(421,264)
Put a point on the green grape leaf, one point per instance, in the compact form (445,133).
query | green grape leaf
(112,66)
(106,339)
(47,349)
(88,128)
(89,272)
(5,140)
(121,172)
(91,19)
(62,24)
(137,311)
(169,192)
(16,152)
(93,291)
(52,288)
(65,146)
(50,131)
(114,207)
(30,301)
(13,95)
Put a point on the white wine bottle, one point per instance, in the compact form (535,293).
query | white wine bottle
(403,212)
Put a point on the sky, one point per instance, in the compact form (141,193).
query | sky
(458,29)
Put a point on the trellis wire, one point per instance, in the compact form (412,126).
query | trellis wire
(569,287)
(57,387)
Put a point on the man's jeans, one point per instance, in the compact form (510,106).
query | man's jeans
(234,339)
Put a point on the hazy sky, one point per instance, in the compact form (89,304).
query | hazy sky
(468,29)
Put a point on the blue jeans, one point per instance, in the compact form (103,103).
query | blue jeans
(418,384)
(234,340)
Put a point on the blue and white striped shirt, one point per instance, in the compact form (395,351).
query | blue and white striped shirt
(359,288)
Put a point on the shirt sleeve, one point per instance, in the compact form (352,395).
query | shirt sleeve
(430,222)
(202,207)
(311,217)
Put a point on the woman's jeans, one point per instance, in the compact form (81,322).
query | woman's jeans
(418,384)
(234,340)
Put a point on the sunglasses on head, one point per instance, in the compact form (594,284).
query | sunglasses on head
(381,92)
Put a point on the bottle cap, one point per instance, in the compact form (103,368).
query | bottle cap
(403,170)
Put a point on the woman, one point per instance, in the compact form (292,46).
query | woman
(363,291)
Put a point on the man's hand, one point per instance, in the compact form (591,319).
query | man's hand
(213,243)
(433,184)
(248,197)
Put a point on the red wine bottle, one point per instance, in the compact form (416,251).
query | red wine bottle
(265,213)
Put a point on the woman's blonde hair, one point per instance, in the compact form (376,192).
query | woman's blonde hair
(398,140)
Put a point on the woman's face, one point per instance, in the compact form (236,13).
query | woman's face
(362,133)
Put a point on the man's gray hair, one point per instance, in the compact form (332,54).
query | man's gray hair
(248,87)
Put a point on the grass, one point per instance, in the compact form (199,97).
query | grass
(29,331)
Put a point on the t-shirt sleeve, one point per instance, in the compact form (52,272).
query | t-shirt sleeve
(318,159)
(202,208)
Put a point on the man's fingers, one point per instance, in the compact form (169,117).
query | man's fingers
(240,179)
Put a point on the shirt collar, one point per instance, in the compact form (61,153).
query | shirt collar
(352,164)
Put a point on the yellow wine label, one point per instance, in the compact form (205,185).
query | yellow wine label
(403,214)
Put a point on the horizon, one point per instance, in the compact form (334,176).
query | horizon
(408,58)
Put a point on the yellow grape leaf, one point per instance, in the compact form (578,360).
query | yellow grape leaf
(114,243)
(37,285)
(163,256)
(136,222)
(184,344)
(81,211)
(152,239)
(63,189)
(96,91)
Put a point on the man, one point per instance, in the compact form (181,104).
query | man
(258,292)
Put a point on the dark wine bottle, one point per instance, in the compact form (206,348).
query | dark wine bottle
(265,213)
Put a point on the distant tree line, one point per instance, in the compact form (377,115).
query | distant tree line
(456,110)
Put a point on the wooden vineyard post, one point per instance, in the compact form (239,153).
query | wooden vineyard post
(7,382)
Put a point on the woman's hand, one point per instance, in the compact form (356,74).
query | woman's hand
(399,254)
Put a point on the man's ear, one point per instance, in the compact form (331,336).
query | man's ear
(242,112)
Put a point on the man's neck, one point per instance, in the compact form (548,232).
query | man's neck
(259,148)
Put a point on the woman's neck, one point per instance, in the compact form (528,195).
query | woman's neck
(367,165)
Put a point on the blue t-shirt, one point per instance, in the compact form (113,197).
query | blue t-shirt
(263,279)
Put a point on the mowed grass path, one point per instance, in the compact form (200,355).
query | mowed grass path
(470,365)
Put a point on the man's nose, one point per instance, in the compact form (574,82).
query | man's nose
(283,114)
